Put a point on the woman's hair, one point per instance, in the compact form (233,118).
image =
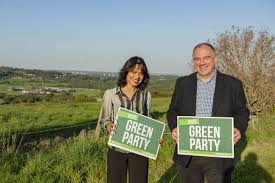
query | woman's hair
(130,65)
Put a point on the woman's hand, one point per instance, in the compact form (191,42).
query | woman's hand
(160,141)
(110,127)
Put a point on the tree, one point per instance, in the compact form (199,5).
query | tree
(249,56)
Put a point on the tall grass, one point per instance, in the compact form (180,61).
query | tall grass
(81,160)
(84,160)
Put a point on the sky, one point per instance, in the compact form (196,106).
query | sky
(100,35)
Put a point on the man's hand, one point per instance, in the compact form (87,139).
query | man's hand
(175,134)
(237,135)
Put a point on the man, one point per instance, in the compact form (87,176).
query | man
(205,93)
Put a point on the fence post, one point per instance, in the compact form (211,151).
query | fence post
(97,129)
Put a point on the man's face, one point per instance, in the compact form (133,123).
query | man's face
(204,61)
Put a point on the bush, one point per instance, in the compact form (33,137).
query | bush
(249,56)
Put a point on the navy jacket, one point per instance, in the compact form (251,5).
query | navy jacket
(229,101)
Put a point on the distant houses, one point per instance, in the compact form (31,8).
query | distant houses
(44,90)
(16,89)
(109,75)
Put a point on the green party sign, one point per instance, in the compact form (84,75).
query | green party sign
(136,133)
(205,136)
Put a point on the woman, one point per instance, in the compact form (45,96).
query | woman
(130,93)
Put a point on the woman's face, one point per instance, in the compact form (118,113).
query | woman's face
(135,76)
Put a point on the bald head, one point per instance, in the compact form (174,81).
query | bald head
(204,45)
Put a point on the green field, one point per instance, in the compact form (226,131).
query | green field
(77,161)
(82,158)
(38,116)
(27,84)
(87,92)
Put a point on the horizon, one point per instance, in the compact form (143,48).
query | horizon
(72,71)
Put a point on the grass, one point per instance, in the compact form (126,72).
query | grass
(257,163)
(84,160)
(258,154)
(78,161)
(87,92)
(27,84)
(160,104)
(37,116)
(259,132)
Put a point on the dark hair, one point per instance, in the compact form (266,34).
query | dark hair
(130,65)
(204,44)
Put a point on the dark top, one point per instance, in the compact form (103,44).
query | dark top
(229,101)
